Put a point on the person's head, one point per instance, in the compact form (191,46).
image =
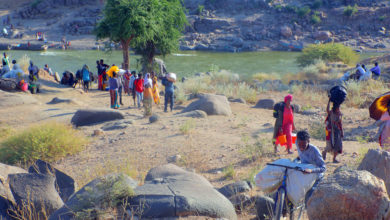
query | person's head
(5,55)
(152,74)
(376,63)
(97,62)
(139,75)
(133,73)
(363,66)
(288,99)
(113,64)
(303,140)
(101,61)
(357,65)
(113,74)
(46,65)
(31,63)
(13,61)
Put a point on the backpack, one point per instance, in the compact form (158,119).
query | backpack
(277,107)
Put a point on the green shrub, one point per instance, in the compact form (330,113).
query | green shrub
(200,9)
(302,12)
(49,141)
(330,52)
(315,19)
(350,11)
(229,172)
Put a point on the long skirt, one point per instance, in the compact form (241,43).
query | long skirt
(156,95)
(148,102)
(114,98)
(126,86)
(100,85)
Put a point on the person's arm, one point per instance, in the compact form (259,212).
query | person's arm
(320,163)
(328,107)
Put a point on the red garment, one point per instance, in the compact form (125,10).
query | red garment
(100,85)
(139,85)
(288,119)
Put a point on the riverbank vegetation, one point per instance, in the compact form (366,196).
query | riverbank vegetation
(331,52)
(48,141)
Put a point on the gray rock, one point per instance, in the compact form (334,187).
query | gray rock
(117,125)
(65,185)
(239,100)
(193,114)
(169,191)
(349,194)
(211,104)
(154,118)
(35,190)
(377,162)
(57,100)
(235,188)
(265,103)
(308,112)
(100,194)
(5,170)
(7,202)
(92,116)
(322,35)
(241,201)
(286,31)
(264,206)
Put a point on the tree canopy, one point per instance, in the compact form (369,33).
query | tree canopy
(146,25)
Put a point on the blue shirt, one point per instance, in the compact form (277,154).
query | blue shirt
(113,82)
(313,156)
(168,85)
(85,75)
(376,70)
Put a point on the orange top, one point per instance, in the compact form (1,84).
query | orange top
(148,93)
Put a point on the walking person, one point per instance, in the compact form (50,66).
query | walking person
(284,124)
(120,89)
(126,81)
(155,91)
(133,77)
(169,92)
(334,132)
(114,86)
(148,95)
(139,89)
(86,77)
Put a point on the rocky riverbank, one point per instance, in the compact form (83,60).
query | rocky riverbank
(228,26)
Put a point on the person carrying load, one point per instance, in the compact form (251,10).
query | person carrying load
(284,124)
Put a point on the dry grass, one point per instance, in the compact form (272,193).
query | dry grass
(361,94)
(24,62)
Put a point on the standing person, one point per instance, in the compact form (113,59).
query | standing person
(284,124)
(376,71)
(103,69)
(139,89)
(32,69)
(169,92)
(148,95)
(126,81)
(155,91)
(100,76)
(334,132)
(5,61)
(86,77)
(133,77)
(120,89)
(114,85)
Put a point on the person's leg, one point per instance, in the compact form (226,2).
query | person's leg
(116,99)
(112,98)
(172,99)
(166,99)
(287,130)
(334,157)
(120,95)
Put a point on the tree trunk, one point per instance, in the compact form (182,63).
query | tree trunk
(125,49)
(151,50)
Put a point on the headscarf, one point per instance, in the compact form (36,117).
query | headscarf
(288,97)
(147,80)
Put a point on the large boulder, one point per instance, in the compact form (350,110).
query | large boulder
(265,104)
(286,31)
(170,191)
(349,195)
(5,170)
(98,196)
(193,114)
(65,184)
(35,191)
(235,188)
(377,162)
(211,104)
(7,201)
(85,117)
(264,206)
(322,35)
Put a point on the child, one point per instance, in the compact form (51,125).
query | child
(114,85)
(139,89)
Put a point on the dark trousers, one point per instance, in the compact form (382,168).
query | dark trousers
(169,97)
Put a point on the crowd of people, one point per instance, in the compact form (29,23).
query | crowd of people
(362,73)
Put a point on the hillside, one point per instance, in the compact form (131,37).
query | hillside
(229,25)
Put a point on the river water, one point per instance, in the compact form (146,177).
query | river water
(184,63)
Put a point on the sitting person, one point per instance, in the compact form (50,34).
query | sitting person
(48,69)
(376,71)
(359,73)
(32,69)
(16,71)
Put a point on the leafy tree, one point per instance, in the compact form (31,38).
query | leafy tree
(143,23)
(168,20)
